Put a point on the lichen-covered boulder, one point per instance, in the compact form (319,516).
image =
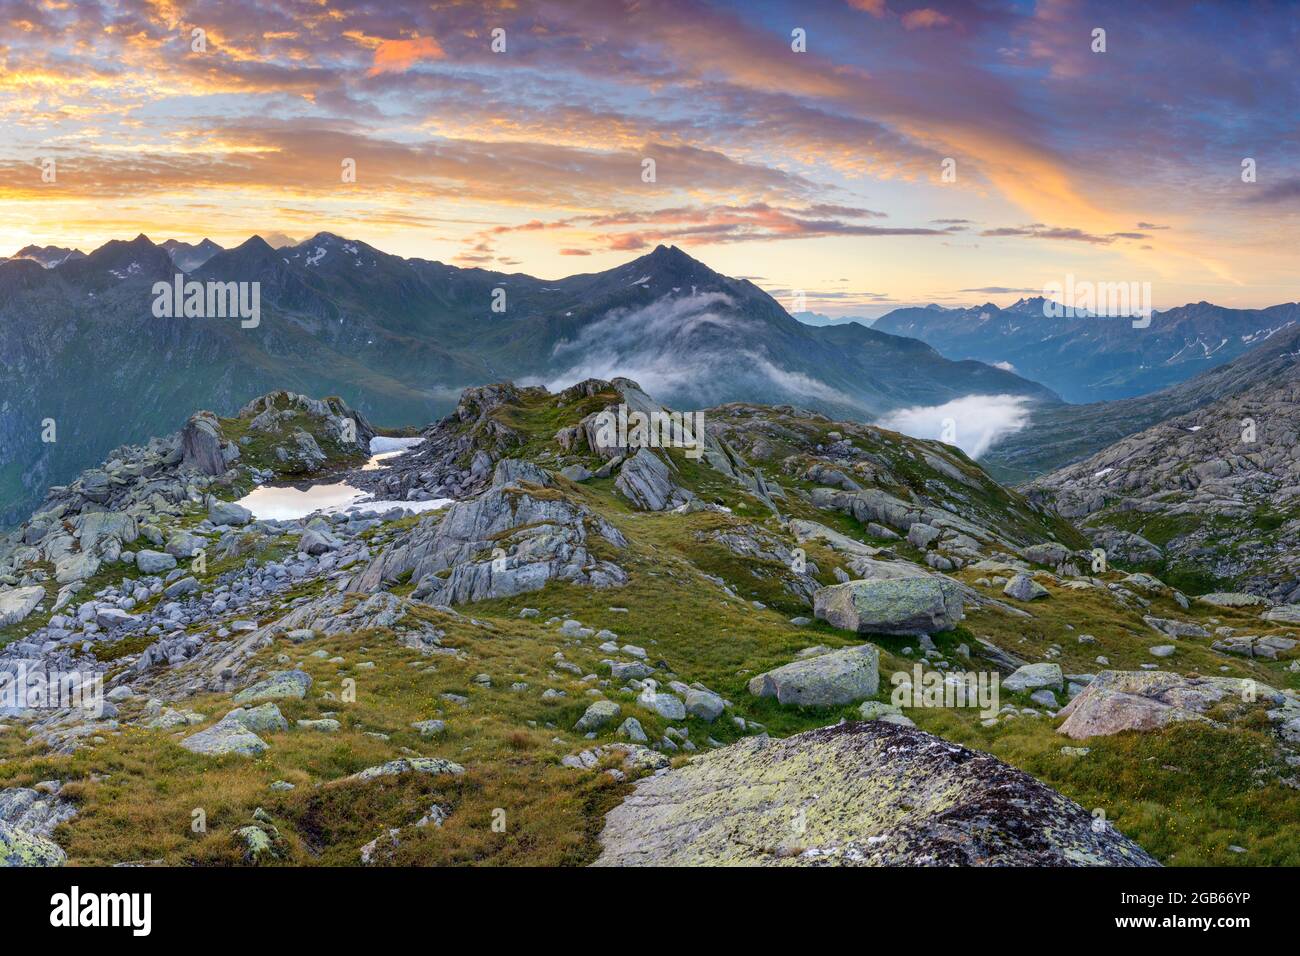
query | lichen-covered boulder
(264,719)
(433,766)
(228,736)
(281,685)
(704,704)
(856,794)
(1034,677)
(905,606)
(827,680)
(597,715)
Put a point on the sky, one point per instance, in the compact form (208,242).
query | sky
(849,156)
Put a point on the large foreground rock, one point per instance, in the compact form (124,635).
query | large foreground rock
(908,606)
(1116,701)
(828,680)
(858,794)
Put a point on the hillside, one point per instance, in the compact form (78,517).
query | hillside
(1209,495)
(496,679)
(1064,434)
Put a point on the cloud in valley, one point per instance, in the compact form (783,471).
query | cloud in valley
(977,422)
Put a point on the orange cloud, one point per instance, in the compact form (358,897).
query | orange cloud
(398,56)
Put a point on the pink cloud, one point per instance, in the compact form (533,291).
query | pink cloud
(925,19)
(874,7)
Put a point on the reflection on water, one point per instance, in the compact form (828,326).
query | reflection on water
(286,502)
(290,502)
(373,463)
(383,448)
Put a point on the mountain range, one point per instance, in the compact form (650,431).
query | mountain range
(1094,358)
(821,320)
(399,338)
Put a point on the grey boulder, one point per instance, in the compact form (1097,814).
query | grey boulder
(827,680)
(154,562)
(227,512)
(905,606)
(17,603)
(1024,588)
(282,685)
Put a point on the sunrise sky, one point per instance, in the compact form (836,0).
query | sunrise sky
(819,171)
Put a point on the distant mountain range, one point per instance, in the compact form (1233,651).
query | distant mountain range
(1209,493)
(820,320)
(399,338)
(1094,359)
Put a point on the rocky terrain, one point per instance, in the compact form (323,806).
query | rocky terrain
(1212,495)
(1059,435)
(863,794)
(535,646)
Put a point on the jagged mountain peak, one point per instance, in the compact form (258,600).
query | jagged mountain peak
(254,258)
(49,257)
(189,257)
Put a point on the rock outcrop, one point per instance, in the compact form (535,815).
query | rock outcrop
(857,794)
(645,481)
(506,541)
